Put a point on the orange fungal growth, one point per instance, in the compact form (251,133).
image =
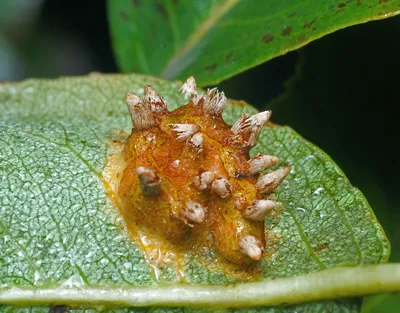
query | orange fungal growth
(188,174)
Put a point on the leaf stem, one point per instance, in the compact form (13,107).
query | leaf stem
(326,284)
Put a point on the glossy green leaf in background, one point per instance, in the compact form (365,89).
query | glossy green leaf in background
(215,39)
(58,227)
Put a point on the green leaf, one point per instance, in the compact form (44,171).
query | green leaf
(59,228)
(383,303)
(215,39)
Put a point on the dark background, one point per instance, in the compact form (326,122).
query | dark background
(344,88)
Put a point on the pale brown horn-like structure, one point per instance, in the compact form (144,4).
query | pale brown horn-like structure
(251,125)
(189,89)
(260,163)
(268,182)
(157,104)
(258,210)
(150,183)
(204,180)
(184,131)
(251,246)
(238,127)
(140,112)
(196,141)
(214,102)
(221,187)
(194,212)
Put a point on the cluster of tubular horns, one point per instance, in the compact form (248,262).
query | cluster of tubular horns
(249,127)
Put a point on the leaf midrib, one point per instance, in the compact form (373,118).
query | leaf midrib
(322,285)
(214,17)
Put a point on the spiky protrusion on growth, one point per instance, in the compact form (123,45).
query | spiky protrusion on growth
(251,246)
(150,183)
(194,212)
(188,169)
